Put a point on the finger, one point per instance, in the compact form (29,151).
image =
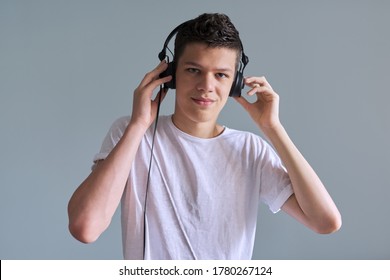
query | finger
(158,82)
(258,89)
(148,91)
(255,88)
(243,102)
(253,81)
(153,83)
(155,103)
(161,95)
(154,74)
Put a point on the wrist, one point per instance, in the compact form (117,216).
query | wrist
(137,127)
(274,132)
(140,122)
(271,129)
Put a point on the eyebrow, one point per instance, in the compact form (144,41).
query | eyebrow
(222,69)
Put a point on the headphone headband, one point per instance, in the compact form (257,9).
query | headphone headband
(163,53)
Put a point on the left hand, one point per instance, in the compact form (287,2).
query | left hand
(265,110)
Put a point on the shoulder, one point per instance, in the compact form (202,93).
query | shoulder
(120,123)
(243,136)
(247,142)
(118,126)
(116,131)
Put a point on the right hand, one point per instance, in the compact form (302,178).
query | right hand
(144,108)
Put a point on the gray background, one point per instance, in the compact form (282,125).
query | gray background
(68,70)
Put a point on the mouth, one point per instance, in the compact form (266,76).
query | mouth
(203,101)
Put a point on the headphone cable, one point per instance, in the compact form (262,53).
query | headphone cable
(150,166)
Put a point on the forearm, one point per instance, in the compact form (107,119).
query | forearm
(94,202)
(318,208)
(311,203)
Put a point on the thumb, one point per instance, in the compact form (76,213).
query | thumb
(244,103)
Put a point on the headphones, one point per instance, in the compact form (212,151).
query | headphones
(238,83)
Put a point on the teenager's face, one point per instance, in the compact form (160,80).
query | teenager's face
(204,76)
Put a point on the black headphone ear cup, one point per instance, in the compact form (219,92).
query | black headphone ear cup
(170,71)
(237,85)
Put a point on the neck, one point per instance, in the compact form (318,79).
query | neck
(198,129)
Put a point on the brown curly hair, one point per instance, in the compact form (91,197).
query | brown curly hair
(215,30)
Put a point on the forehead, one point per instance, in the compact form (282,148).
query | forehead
(202,53)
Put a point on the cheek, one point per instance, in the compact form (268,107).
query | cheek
(225,99)
(182,83)
(226,90)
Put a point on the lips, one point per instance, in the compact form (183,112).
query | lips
(203,101)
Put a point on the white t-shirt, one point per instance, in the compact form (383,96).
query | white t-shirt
(203,194)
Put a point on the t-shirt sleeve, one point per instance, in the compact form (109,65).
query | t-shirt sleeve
(275,184)
(112,138)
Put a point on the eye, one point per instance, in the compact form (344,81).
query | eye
(222,75)
(193,70)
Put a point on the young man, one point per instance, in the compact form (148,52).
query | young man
(206,180)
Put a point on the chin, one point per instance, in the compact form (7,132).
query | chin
(202,117)
(196,116)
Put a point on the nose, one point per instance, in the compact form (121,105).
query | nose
(206,83)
